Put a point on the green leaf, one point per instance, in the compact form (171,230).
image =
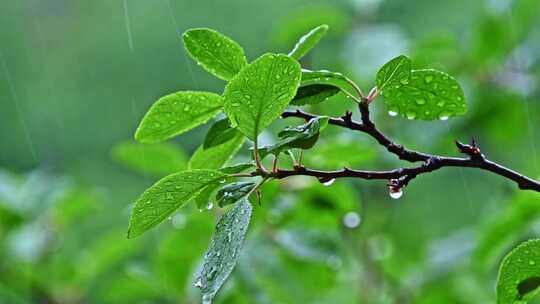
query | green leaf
(217,53)
(302,137)
(154,159)
(324,77)
(224,249)
(397,70)
(519,275)
(216,156)
(260,93)
(428,95)
(177,113)
(314,94)
(308,41)
(203,200)
(233,192)
(241,167)
(166,196)
(220,132)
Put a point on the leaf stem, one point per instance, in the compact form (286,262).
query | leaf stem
(355,86)
(257,158)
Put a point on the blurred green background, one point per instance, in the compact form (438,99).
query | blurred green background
(76,77)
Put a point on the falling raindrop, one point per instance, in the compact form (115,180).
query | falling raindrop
(351,219)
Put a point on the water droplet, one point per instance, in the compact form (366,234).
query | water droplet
(392,113)
(326,181)
(211,274)
(198,283)
(444,115)
(428,78)
(420,101)
(351,219)
(395,193)
(209,206)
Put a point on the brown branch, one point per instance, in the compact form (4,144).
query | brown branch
(400,177)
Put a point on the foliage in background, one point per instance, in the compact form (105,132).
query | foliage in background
(440,243)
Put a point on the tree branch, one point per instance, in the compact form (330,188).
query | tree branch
(400,177)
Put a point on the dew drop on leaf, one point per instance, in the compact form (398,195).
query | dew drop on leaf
(392,113)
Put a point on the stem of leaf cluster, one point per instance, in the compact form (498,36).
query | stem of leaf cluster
(257,157)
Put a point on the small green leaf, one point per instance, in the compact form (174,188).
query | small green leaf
(519,275)
(428,95)
(220,132)
(397,70)
(217,53)
(224,249)
(260,93)
(177,113)
(203,199)
(167,195)
(302,137)
(314,94)
(233,192)
(216,156)
(154,159)
(327,78)
(241,167)
(308,41)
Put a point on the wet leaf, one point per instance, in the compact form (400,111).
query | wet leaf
(177,113)
(216,156)
(302,137)
(220,132)
(224,249)
(237,168)
(308,41)
(519,275)
(314,94)
(154,159)
(427,95)
(394,71)
(233,192)
(166,196)
(326,78)
(260,93)
(217,53)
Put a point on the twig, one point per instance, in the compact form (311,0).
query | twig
(402,176)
